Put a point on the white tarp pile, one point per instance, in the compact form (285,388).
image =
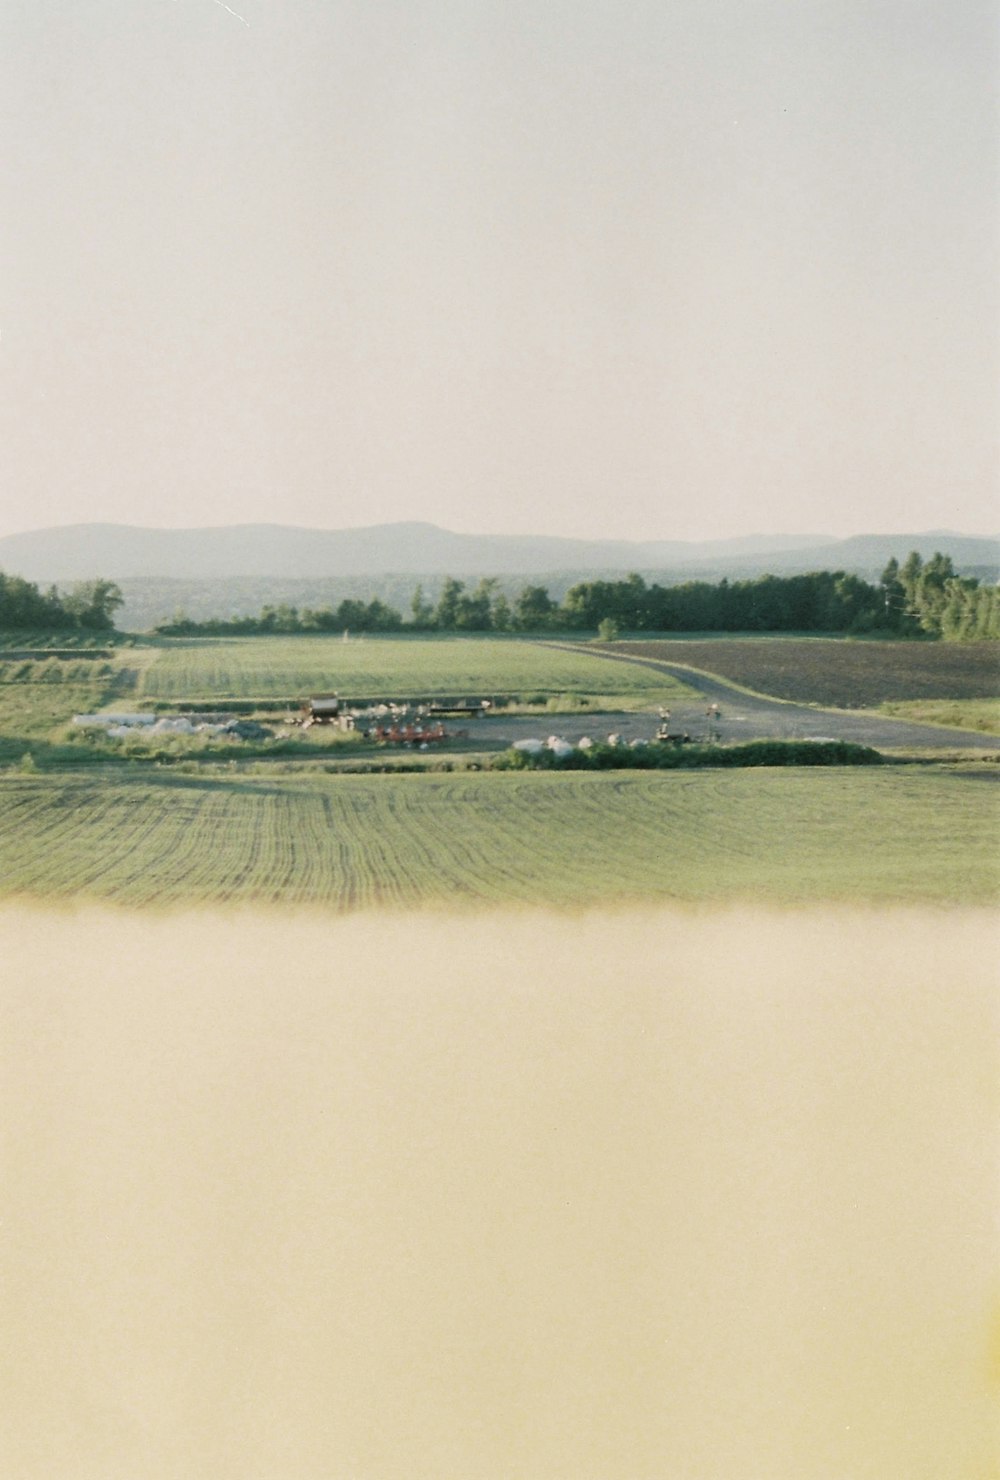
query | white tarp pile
(181,725)
(120,726)
(112,721)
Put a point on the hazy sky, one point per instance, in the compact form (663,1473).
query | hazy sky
(665,269)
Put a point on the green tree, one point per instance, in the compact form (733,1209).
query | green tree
(893,596)
(446,611)
(932,591)
(474,609)
(501,616)
(380,617)
(533,609)
(421,610)
(93,604)
(909,577)
(287,619)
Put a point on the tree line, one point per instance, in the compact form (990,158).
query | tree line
(916,598)
(89,606)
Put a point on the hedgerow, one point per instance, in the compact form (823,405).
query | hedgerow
(669,757)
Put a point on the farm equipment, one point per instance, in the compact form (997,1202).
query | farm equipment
(325,711)
(668,737)
(411,734)
(328,711)
(461,709)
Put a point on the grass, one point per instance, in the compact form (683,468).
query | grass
(383,668)
(837,672)
(35,715)
(963,714)
(568,839)
(39,696)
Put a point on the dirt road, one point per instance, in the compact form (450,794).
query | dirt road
(748,717)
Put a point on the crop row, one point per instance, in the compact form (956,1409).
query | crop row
(568,839)
(53,670)
(15,640)
(839,673)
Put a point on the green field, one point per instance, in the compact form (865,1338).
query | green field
(139,832)
(569,839)
(385,668)
(35,715)
(964,714)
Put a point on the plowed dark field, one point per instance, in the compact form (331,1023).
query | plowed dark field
(844,675)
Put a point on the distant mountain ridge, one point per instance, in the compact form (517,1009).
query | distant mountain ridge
(868,554)
(275,551)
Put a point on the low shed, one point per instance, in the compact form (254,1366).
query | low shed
(324,709)
(328,711)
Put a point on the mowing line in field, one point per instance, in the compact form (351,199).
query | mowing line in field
(570,838)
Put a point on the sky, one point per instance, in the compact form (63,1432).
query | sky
(650,270)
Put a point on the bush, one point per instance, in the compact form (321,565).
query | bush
(669,757)
(568,702)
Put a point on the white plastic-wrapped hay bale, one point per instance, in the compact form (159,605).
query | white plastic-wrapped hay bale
(529,747)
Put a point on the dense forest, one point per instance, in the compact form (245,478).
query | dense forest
(917,598)
(89,606)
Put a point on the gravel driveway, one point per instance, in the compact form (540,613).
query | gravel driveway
(741,717)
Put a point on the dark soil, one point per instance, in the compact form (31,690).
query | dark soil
(842,674)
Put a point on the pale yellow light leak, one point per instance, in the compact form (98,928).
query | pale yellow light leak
(705,1195)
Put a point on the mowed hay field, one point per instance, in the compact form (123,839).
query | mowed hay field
(837,672)
(386,668)
(964,714)
(569,839)
(38,698)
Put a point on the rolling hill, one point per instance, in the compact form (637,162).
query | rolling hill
(234,570)
(81,551)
